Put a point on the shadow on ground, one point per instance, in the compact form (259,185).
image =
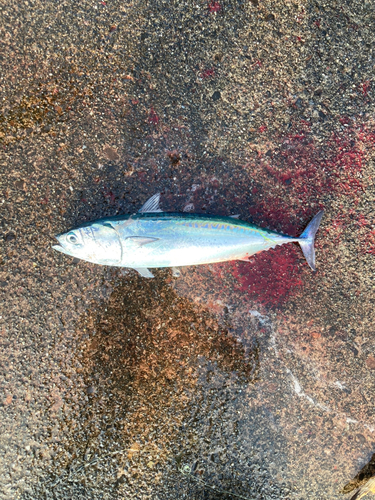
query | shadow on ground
(143,355)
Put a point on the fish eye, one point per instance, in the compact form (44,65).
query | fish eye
(72,238)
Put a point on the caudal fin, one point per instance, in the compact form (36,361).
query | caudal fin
(307,238)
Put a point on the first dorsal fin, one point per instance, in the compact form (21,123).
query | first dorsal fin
(151,205)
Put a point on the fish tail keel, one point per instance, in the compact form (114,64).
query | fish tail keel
(307,239)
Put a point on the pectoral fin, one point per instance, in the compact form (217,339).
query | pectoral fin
(142,240)
(144,272)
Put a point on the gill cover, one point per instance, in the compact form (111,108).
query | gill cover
(97,242)
(105,243)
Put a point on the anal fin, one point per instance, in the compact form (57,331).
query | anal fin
(144,272)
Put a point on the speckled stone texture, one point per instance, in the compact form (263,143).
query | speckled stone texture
(257,378)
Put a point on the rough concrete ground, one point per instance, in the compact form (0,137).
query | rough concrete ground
(257,378)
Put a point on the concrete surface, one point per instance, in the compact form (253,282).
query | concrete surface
(249,379)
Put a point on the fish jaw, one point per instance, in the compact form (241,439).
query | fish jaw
(60,247)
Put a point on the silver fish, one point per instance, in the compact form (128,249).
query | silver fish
(152,238)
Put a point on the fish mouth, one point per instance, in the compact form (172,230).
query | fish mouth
(60,248)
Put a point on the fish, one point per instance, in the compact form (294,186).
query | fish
(152,238)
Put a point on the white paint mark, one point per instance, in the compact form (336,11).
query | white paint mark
(297,386)
(273,342)
(351,421)
(340,385)
(256,314)
(298,390)
(265,321)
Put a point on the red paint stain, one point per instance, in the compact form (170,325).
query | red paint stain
(369,242)
(274,276)
(299,18)
(365,87)
(269,279)
(366,237)
(109,196)
(344,120)
(257,64)
(208,73)
(142,174)
(153,118)
(290,184)
(362,221)
(262,128)
(302,171)
(214,6)
(337,227)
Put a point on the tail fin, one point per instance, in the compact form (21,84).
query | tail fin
(306,240)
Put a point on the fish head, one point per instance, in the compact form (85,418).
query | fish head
(97,242)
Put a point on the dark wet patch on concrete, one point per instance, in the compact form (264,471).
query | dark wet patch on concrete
(142,354)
